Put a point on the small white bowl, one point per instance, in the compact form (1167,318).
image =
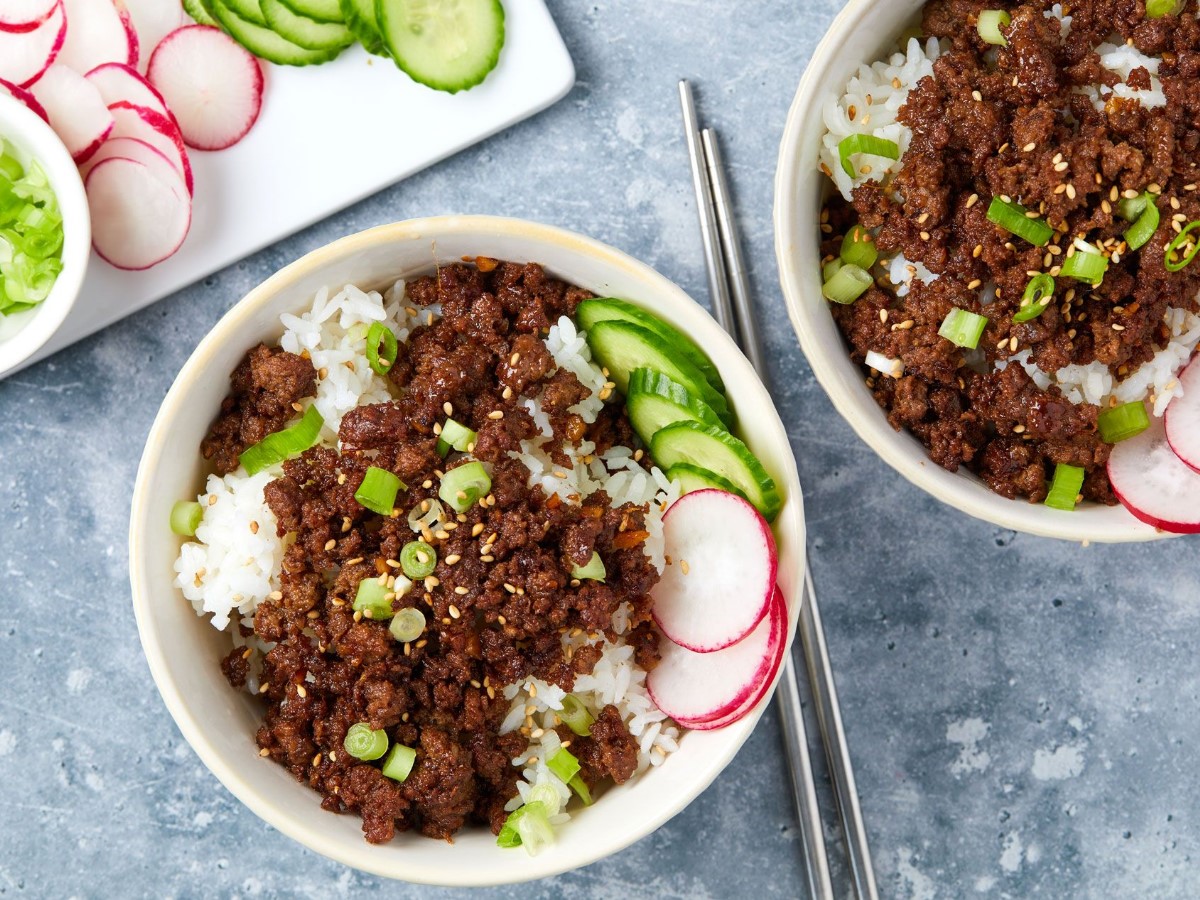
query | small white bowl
(24,333)
(183,650)
(865,31)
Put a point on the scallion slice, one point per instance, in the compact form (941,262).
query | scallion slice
(1064,489)
(579,786)
(407,625)
(186,516)
(378,490)
(989,24)
(363,743)
(1177,243)
(847,284)
(380,337)
(830,268)
(1144,215)
(456,436)
(1038,295)
(527,826)
(1013,218)
(593,571)
(372,600)
(858,248)
(865,143)
(1157,9)
(399,762)
(418,560)
(1085,265)
(463,486)
(963,328)
(281,445)
(1122,422)
(577,716)
(563,763)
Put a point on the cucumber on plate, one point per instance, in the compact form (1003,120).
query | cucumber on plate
(317,10)
(250,10)
(722,454)
(302,31)
(199,14)
(448,45)
(696,478)
(655,401)
(265,43)
(360,19)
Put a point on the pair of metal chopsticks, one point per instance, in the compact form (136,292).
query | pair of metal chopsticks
(733,307)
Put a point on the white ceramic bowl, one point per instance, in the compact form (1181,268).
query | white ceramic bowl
(183,650)
(23,334)
(865,31)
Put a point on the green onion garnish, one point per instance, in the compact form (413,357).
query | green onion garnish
(1038,295)
(579,786)
(1143,213)
(830,269)
(378,490)
(372,599)
(563,763)
(462,487)
(577,716)
(1014,218)
(407,625)
(1156,9)
(963,328)
(399,762)
(1122,422)
(865,143)
(379,337)
(594,571)
(527,826)
(281,445)
(1176,243)
(456,436)
(363,743)
(31,235)
(858,248)
(186,516)
(989,25)
(1085,265)
(847,284)
(418,559)
(1064,489)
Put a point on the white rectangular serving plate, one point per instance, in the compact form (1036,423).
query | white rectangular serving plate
(327,137)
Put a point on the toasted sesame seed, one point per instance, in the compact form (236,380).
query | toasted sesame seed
(976,96)
(212,499)
(452,559)
(477,529)
(978,250)
(1129,194)
(514,359)
(496,414)
(442,535)
(1062,166)
(533,690)
(1154,187)
(264,752)
(330,544)
(1071,191)
(924,235)
(1012,344)
(1029,148)
(301,691)
(683,566)
(454,613)
(507,393)
(1117,327)
(973,283)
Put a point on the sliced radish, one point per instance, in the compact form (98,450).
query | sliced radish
(212,85)
(22,16)
(119,83)
(99,31)
(1182,418)
(76,110)
(154,20)
(140,213)
(22,94)
(722,576)
(707,687)
(1155,484)
(24,57)
(152,127)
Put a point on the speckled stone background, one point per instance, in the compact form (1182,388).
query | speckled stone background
(1022,712)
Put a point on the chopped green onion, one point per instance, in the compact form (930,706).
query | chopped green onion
(1176,243)
(281,445)
(363,743)
(1085,265)
(865,143)
(579,786)
(186,516)
(372,599)
(563,763)
(1156,9)
(1064,489)
(1122,422)
(830,269)
(462,487)
(594,571)
(378,490)
(456,436)
(379,334)
(31,235)
(418,559)
(10,167)
(989,25)
(577,716)
(858,248)
(407,625)
(527,826)
(1131,208)
(399,762)
(1014,218)
(1143,213)
(963,328)
(847,284)
(1038,295)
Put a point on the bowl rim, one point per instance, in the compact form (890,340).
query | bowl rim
(307,833)
(35,137)
(802,297)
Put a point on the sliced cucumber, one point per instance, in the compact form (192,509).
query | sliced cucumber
(448,45)
(265,43)
(317,10)
(718,451)
(250,10)
(655,401)
(696,478)
(621,347)
(360,19)
(200,15)
(305,32)
(602,309)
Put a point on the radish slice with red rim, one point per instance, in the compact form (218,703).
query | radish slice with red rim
(1182,418)
(140,213)
(25,56)
(22,94)
(1153,483)
(154,20)
(119,83)
(212,85)
(75,109)
(23,16)
(155,129)
(98,31)
(719,584)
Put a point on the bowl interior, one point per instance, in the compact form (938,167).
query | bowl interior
(866,31)
(183,649)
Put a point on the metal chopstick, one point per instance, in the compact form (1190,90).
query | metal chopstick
(812,633)
(788,692)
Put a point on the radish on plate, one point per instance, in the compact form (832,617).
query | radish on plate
(141,212)
(1182,418)
(118,83)
(22,94)
(212,85)
(21,16)
(98,31)
(152,127)
(722,574)
(154,20)
(75,110)
(25,56)
(1153,483)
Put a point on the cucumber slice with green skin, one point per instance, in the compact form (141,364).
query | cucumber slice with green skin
(621,347)
(200,15)
(655,401)
(360,19)
(250,10)
(317,10)
(696,478)
(305,32)
(448,45)
(601,309)
(264,43)
(721,453)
